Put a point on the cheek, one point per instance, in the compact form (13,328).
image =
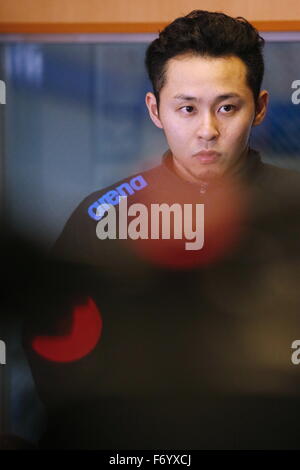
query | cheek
(237,132)
(176,133)
(245,132)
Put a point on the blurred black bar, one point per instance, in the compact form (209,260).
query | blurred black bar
(2,129)
(3,391)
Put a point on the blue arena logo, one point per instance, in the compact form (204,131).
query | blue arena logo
(112,197)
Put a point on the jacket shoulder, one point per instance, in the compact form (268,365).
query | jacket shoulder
(279,179)
(127,187)
(86,210)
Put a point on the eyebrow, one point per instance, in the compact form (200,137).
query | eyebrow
(182,97)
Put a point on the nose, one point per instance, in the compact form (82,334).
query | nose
(207,127)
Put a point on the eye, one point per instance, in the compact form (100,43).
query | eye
(188,109)
(227,108)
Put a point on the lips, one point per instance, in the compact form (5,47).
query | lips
(207,156)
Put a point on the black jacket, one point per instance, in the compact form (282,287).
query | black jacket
(194,353)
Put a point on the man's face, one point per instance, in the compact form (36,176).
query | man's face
(206,111)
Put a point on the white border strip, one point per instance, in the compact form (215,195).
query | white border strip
(284,36)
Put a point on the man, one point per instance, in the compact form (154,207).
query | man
(192,349)
(206,70)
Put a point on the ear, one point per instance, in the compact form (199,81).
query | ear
(153,109)
(261,107)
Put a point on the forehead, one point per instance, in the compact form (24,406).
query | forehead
(205,75)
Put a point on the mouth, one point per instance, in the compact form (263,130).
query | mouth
(207,156)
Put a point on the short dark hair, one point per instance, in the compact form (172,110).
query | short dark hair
(209,34)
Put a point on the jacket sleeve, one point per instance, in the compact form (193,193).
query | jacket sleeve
(78,237)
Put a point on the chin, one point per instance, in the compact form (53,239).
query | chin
(210,173)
